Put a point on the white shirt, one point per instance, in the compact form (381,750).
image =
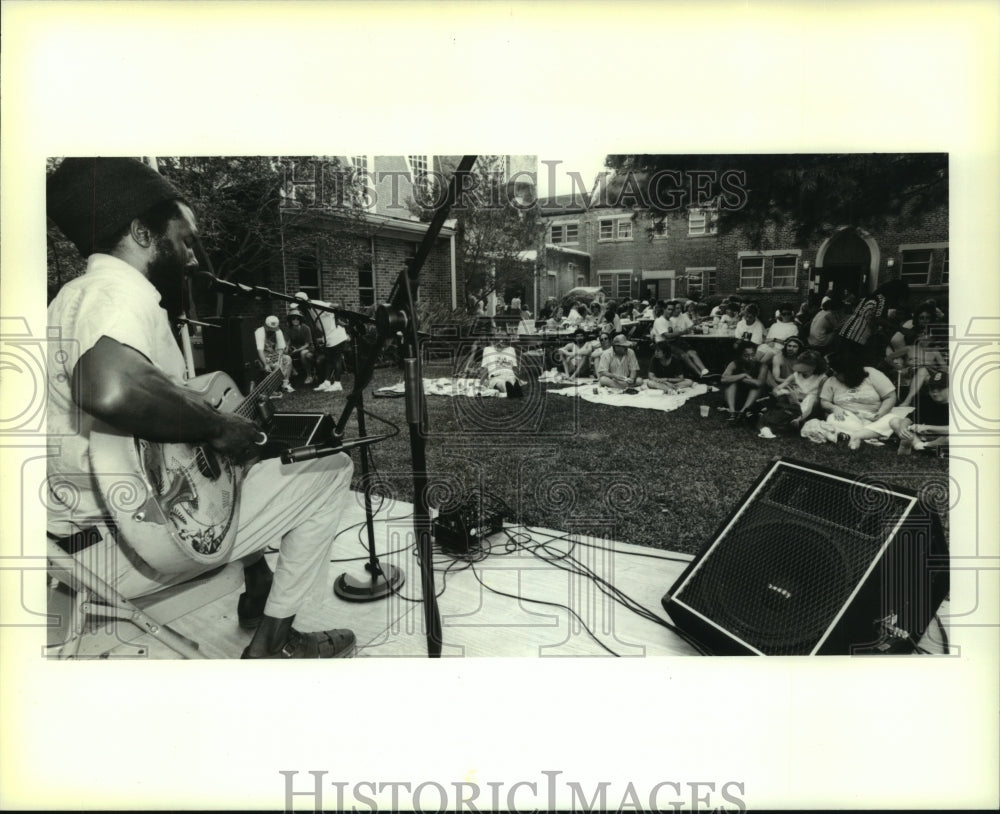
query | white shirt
(333,333)
(111,299)
(681,323)
(260,339)
(661,326)
(780,331)
(499,361)
(754,333)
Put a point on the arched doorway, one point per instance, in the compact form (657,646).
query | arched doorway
(845,261)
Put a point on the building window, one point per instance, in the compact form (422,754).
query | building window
(309,275)
(360,164)
(366,283)
(783,272)
(751,272)
(420,176)
(618,284)
(944,268)
(701,282)
(915,268)
(564,233)
(702,222)
(659,227)
(615,229)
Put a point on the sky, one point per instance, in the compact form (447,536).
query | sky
(587,164)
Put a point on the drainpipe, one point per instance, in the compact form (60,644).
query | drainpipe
(454,275)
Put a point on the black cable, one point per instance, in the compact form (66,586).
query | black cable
(550,604)
(944,635)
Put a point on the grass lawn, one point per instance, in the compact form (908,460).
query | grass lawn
(647,477)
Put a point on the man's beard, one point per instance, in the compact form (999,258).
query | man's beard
(166,272)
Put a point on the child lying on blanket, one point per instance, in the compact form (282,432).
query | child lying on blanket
(500,367)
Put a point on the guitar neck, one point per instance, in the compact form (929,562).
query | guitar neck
(270,382)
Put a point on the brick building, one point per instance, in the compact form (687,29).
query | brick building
(685,255)
(354,256)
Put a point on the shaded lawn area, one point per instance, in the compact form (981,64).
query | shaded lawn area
(665,480)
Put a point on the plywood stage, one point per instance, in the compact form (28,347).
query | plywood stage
(511,601)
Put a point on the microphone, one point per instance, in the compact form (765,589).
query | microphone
(307,453)
(223,286)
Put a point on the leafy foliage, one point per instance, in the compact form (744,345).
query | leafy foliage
(496,220)
(811,194)
(246,216)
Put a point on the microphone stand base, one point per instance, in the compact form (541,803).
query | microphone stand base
(368,590)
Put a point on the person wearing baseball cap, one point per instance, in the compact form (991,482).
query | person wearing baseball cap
(270,342)
(115,369)
(618,367)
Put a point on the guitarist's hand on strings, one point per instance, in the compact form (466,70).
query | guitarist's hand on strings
(236,437)
(120,386)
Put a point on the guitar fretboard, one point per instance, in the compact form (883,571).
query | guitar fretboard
(246,407)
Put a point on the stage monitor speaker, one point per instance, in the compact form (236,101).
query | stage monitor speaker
(291,430)
(815,562)
(230,347)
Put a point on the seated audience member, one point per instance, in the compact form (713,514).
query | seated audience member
(932,414)
(300,345)
(858,399)
(729,318)
(547,311)
(619,368)
(744,376)
(576,354)
(780,367)
(750,328)
(500,367)
(916,353)
(610,322)
(646,311)
(661,324)
(602,344)
(514,309)
(593,316)
(804,316)
(664,371)
(783,328)
(680,324)
(270,342)
(825,325)
(720,309)
(797,397)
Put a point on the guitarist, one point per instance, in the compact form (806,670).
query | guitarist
(117,366)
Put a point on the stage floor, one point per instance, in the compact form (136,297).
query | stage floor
(510,602)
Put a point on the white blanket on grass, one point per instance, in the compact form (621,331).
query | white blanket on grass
(646,398)
(449,387)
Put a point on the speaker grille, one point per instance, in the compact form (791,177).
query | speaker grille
(781,572)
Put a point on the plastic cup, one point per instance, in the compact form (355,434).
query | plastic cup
(705,410)
(595,390)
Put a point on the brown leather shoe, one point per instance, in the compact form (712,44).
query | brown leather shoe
(327,644)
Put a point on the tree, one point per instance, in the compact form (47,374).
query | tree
(247,212)
(812,194)
(496,222)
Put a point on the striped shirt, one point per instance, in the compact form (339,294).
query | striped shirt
(860,325)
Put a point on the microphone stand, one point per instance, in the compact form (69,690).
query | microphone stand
(399,315)
(382,579)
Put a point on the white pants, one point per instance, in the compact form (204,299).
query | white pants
(296,507)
